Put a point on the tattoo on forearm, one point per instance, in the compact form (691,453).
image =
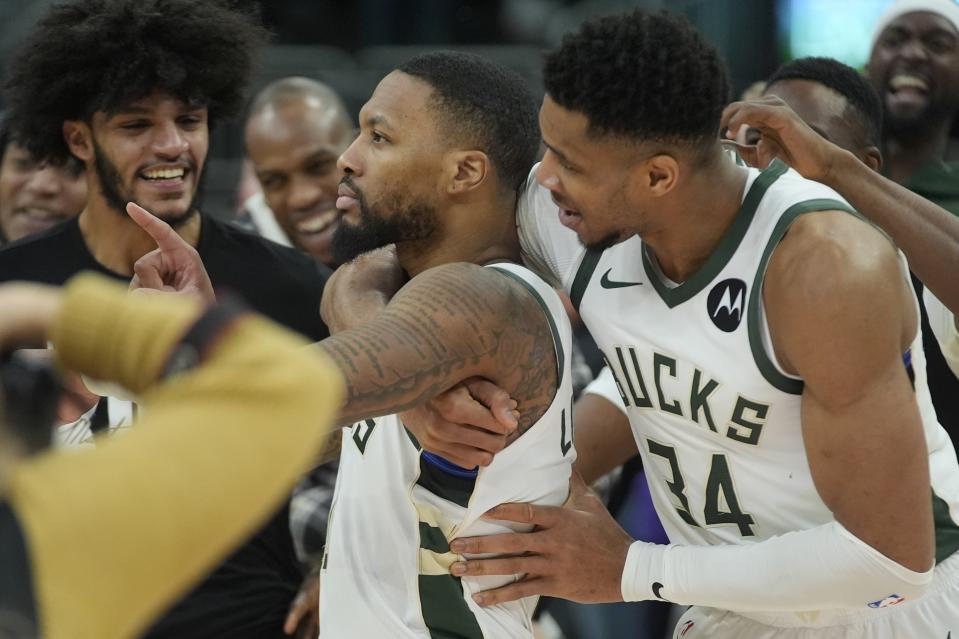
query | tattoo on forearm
(454,323)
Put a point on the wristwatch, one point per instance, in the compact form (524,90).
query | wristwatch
(201,336)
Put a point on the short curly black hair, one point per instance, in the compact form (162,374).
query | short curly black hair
(87,56)
(648,76)
(489,103)
(861,97)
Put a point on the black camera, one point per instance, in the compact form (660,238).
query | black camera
(31,392)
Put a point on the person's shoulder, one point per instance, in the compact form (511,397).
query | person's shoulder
(828,255)
(790,189)
(509,291)
(535,203)
(548,247)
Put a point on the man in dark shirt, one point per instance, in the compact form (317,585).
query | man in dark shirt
(914,66)
(130,88)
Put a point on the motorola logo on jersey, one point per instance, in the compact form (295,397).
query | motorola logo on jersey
(726,304)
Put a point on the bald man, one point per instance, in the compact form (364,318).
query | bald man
(296,130)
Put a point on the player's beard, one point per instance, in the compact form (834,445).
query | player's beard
(111,186)
(408,222)
(608,241)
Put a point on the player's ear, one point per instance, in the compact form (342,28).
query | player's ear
(660,173)
(79,138)
(468,170)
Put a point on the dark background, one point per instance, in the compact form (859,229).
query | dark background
(352,44)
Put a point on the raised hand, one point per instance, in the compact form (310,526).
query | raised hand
(174,266)
(783,135)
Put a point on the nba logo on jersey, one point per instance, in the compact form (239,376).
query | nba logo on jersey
(726,304)
(891,600)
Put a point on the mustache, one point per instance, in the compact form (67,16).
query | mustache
(347,180)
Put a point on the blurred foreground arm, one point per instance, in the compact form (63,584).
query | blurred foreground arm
(218,447)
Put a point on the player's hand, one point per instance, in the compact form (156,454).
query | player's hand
(575,552)
(782,134)
(174,266)
(303,619)
(358,290)
(467,424)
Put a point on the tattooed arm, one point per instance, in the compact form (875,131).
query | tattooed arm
(448,324)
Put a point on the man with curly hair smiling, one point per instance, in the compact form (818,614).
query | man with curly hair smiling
(131,89)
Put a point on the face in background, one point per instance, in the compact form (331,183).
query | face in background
(151,152)
(294,147)
(828,113)
(36,196)
(914,66)
(391,190)
(590,178)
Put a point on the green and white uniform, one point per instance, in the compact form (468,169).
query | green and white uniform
(386,569)
(715,418)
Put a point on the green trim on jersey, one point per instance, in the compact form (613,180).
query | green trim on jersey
(413,439)
(761,357)
(724,250)
(583,274)
(445,611)
(433,539)
(947,530)
(557,340)
(444,485)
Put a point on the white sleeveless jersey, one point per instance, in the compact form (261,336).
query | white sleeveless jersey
(395,508)
(716,420)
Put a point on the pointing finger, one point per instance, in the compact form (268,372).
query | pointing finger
(165,237)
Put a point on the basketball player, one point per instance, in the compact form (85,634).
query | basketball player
(765,343)
(437,170)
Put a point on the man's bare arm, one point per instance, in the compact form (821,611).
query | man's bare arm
(604,439)
(446,325)
(927,233)
(841,317)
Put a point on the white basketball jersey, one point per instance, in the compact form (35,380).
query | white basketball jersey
(395,509)
(716,420)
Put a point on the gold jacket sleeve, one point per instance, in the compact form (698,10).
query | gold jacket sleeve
(117,532)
